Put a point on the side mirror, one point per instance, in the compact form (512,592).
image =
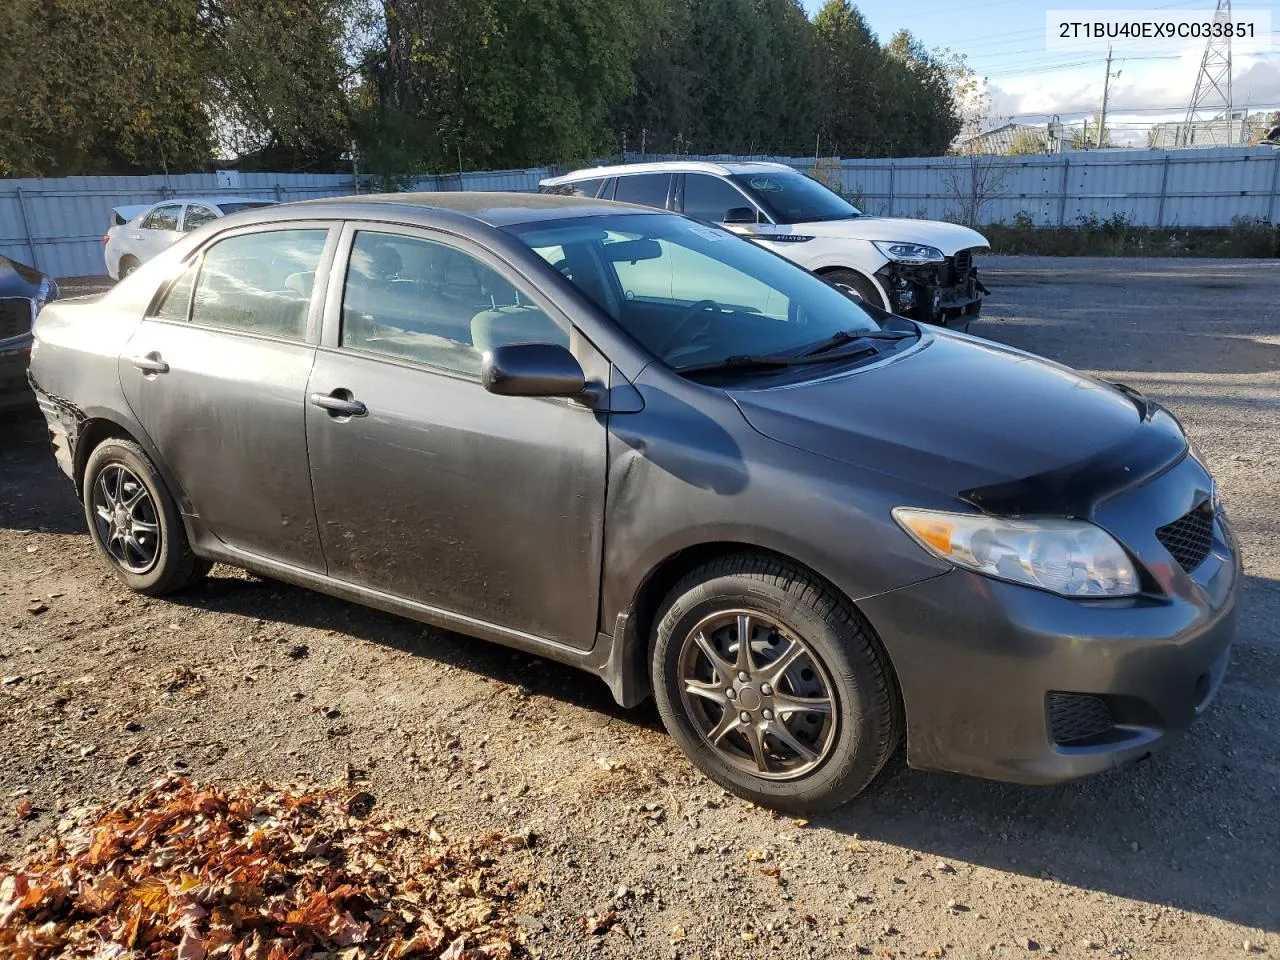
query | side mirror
(533,370)
(741,215)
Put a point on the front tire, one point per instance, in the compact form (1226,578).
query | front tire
(804,716)
(134,522)
(864,287)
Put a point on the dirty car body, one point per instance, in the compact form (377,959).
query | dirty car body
(23,293)
(529,419)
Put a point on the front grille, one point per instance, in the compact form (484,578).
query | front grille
(15,317)
(1077,717)
(958,267)
(1189,538)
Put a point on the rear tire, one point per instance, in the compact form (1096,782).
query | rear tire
(865,288)
(729,712)
(128,264)
(134,522)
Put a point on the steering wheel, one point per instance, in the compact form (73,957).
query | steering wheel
(694,313)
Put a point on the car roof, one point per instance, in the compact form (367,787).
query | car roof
(494,209)
(213,201)
(723,169)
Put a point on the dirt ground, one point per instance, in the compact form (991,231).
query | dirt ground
(1178,857)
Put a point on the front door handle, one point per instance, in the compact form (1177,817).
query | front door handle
(339,404)
(150,363)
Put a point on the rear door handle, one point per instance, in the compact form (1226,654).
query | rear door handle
(150,363)
(339,404)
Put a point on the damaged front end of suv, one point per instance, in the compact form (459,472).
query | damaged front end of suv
(924,284)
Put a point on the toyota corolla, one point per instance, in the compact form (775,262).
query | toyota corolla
(651,449)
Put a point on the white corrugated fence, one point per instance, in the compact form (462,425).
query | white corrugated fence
(57,224)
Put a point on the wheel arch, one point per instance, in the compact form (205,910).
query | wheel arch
(842,268)
(634,634)
(92,434)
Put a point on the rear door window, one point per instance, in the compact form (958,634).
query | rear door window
(579,188)
(197,216)
(647,189)
(163,218)
(260,282)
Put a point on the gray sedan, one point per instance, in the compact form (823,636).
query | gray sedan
(655,451)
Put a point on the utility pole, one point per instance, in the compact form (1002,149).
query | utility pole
(1106,94)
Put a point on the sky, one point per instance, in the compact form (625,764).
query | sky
(1004,41)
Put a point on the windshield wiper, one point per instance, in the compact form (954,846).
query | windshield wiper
(747,362)
(842,337)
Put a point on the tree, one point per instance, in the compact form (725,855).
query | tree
(1085,137)
(484,84)
(850,65)
(923,97)
(276,73)
(1028,143)
(72,97)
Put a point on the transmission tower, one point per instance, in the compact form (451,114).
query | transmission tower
(1213,84)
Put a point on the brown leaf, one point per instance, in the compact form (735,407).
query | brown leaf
(191,947)
(23,809)
(593,925)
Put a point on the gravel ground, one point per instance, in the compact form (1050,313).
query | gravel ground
(241,678)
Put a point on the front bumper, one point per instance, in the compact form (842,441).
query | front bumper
(980,662)
(15,357)
(933,293)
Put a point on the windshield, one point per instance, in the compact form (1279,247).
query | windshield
(691,294)
(229,208)
(791,197)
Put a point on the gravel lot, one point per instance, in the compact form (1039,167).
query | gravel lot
(1178,857)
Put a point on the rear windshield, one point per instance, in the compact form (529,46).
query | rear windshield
(791,197)
(245,205)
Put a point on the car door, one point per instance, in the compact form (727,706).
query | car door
(430,488)
(709,198)
(217,375)
(646,189)
(157,231)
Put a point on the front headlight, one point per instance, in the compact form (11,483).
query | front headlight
(1072,558)
(910,252)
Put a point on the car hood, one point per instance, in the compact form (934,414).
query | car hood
(947,237)
(19,280)
(996,427)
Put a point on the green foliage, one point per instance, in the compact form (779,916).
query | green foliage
(1028,143)
(418,86)
(101,87)
(1117,237)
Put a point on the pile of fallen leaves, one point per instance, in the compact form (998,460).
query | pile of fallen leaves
(182,872)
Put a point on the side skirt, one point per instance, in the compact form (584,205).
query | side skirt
(605,658)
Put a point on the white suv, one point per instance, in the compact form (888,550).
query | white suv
(921,269)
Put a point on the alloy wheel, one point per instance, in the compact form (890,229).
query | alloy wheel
(758,695)
(126,520)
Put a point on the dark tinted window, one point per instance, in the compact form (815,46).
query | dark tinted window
(579,188)
(163,218)
(710,198)
(429,302)
(791,197)
(260,282)
(649,189)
